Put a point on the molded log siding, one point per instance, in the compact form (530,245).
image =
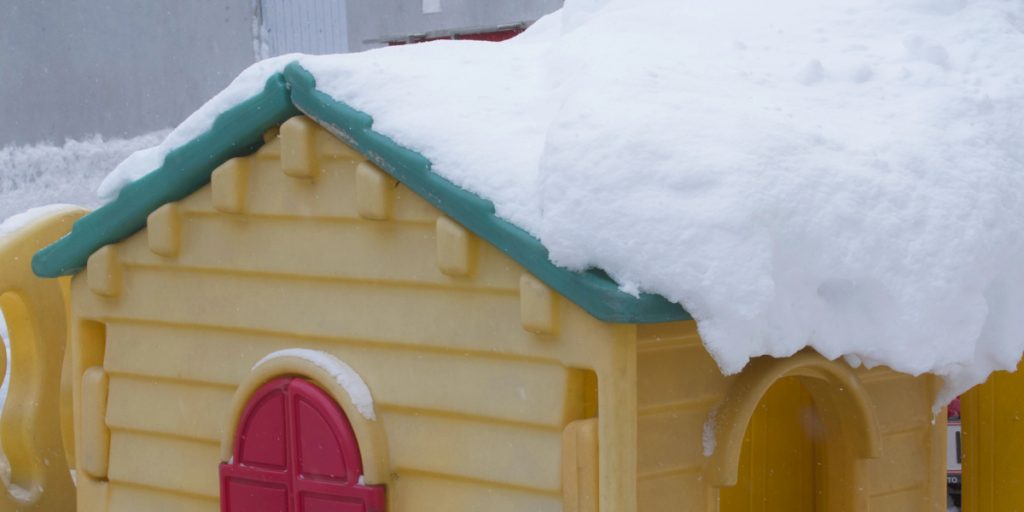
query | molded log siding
(473,404)
(678,384)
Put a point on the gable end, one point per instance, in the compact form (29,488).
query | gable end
(239,131)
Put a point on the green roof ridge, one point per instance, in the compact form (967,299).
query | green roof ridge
(236,132)
(239,130)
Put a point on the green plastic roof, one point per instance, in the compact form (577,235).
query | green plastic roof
(239,132)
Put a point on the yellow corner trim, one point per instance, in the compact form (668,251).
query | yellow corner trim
(580,466)
(95,434)
(836,391)
(93,495)
(369,433)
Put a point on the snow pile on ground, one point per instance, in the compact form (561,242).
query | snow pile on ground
(844,175)
(69,173)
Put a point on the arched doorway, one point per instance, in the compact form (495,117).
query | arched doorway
(783,455)
(294,450)
(843,432)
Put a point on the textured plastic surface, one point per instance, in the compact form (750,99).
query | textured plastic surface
(452,369)
(95,434)
(780,456)
(593,291)
(37,477)
(580,487)
(872,430)
(992,416)
(295,451)
(469,406)
(240,130)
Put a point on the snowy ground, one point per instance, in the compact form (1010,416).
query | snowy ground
(40,174)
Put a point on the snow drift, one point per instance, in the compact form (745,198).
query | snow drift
(38,174)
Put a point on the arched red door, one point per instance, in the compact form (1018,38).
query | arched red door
(295,451)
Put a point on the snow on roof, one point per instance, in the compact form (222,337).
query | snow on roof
(843,175)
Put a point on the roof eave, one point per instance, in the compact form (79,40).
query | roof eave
(239,131)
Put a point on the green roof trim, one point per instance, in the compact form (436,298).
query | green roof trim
(236,132)
(239,131)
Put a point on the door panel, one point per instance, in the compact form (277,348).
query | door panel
(295,451)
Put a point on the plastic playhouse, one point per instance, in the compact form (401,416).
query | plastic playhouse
(295,314)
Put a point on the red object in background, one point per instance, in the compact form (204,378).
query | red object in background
(953,409)
(295,451)
(495,35)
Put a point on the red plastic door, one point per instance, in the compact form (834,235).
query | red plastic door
(295,452)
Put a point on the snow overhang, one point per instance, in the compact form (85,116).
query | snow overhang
(239,131)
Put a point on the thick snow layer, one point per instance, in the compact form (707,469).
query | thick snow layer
(342,373)
(843,175)
(69,173)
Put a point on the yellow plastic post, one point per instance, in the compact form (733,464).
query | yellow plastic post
(35,473)
(993,443)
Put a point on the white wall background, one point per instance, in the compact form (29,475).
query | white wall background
(120,68)
(72,68)
(304,26)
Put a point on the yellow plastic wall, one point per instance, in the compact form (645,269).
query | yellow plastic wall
(911,474)
(679,386)
(483,379)
(993,444)
(474,367)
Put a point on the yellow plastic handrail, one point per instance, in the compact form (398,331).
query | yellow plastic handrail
(35,474)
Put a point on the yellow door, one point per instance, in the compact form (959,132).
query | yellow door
(781,455)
